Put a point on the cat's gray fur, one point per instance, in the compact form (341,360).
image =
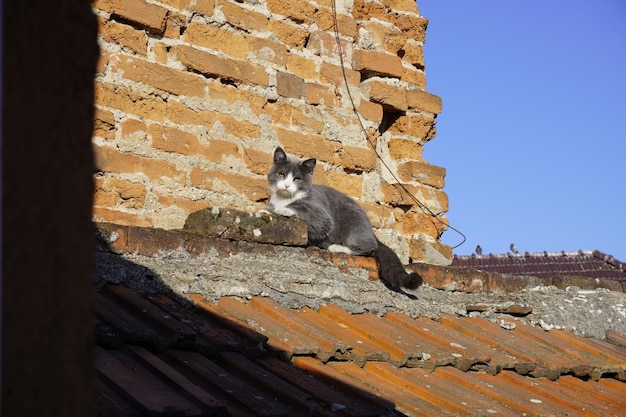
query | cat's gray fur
(336,222)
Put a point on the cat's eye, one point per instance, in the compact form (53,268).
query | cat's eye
(281,174)
(297,180)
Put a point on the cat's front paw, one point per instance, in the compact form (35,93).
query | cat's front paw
(340,249)
(284,211)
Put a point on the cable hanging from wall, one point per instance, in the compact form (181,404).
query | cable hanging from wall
(371,142)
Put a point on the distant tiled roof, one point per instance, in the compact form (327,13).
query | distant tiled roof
(589,264)
(159,355)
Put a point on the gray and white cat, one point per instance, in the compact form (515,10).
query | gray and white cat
(336,222)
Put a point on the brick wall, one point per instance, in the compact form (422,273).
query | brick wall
(193,96)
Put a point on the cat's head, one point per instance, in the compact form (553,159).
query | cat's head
(289,176)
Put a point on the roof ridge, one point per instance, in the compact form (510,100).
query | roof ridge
(610,259)
(533,254)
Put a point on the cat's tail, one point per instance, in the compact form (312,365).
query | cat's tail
(391,270)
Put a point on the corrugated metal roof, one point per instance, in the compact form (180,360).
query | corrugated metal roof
(159,355)
(589,264)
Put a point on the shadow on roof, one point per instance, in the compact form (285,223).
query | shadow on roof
(158,354)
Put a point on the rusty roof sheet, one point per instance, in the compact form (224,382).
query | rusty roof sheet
(160,355)
(589,264)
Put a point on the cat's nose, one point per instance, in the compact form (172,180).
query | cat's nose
(287,186)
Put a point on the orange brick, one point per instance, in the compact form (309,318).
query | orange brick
(228,42)
(231,94)
(333,74)
(160,52)
(174,140)
(164,78)
(349,184)
(288,33)
(416,125)
(414,76)
(389,38)
(133,129)
(179,4)
(109,159)
(366,10)
(405,148)
(268,50)
(217,150)
(386,94)
(411,24)
(413,223)
(358,159)
(178,113)
(124,35)
(205,7)
(307,145)
(309,118)
(242,17)
(102,214)
(185,204)
(420,171)
(258,162)
(421,100)
(104,124)
(394,42)
(377,63)
(279,111)
(326,3)
(401,5)
(320,94)
(325,21)
(103,62)
(174,25)
(111,192)
(413,54)
(379,215)
(254,188)
(324,44)
(227,68)
(302,66)
(442,199)
(346,262)
(145,15)
(300,11)
(130,101)
(396,195)
(418,249)
(371,111)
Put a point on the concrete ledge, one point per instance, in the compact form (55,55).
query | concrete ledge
(206,232)
(182,262)
(147,241)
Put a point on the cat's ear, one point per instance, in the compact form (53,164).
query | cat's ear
(279,155)
(309,164)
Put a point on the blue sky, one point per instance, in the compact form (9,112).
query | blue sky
(533,128)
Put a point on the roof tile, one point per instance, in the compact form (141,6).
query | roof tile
(371,328)
(141,387)
(164,354)
(190,379)
(441,346)
(361,349)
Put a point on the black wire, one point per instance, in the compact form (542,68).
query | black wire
(373,145)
